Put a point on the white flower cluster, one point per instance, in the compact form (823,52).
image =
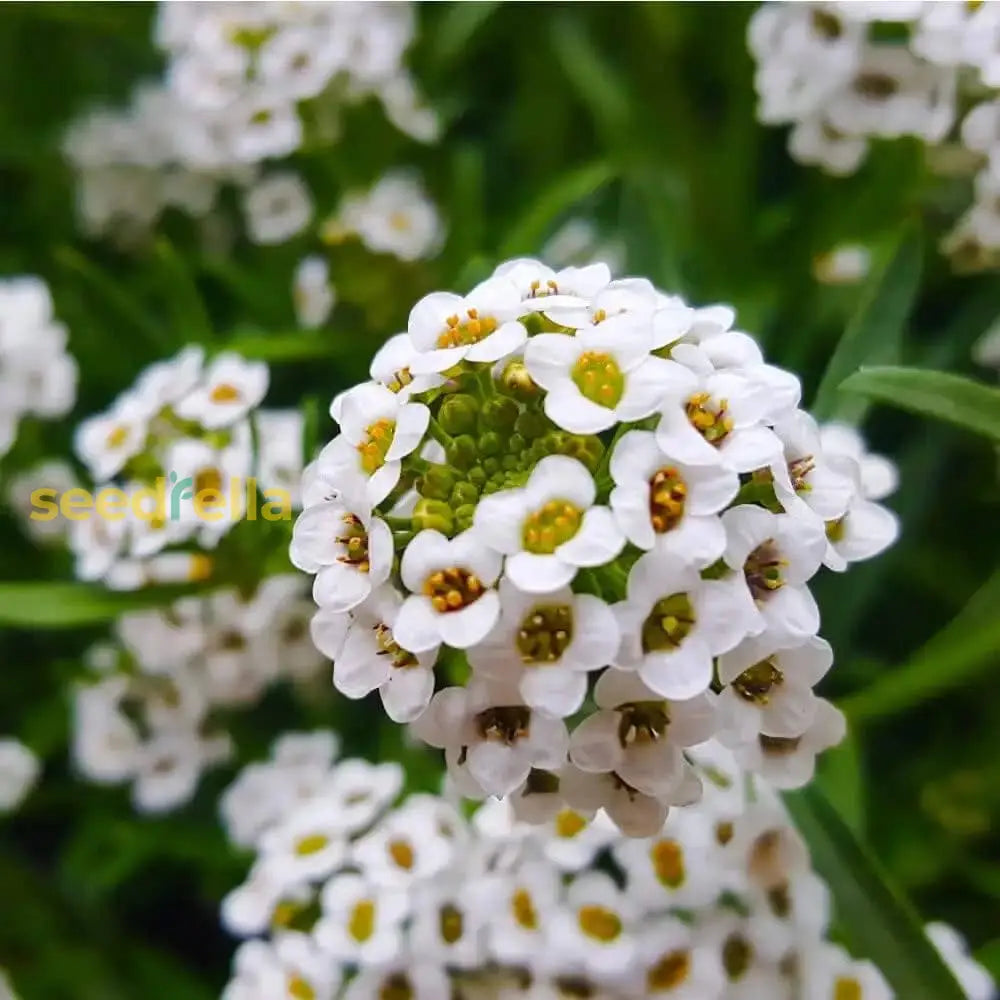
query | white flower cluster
(19,770)
(182,430)
(148,713)
(350,898)
(245,82)
(561,473)
(37,376)
(845,72)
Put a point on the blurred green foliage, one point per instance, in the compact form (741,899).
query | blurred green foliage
(640,116)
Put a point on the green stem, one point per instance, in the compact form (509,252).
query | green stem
(439,434)
(398,523)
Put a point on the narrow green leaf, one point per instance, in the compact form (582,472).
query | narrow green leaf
(527,233)
(875,332)
(67,605)
(191,318)
(278,347)
(967,645)
(877,923)
(457,28)
(955,399)
(841,777)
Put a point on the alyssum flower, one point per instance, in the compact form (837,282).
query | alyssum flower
(565,484)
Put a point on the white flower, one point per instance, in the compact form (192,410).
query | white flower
(349,549)
(847,264)
(524,905)
(96,544)
(813,141)
(769,686)
(481,326)
(672,506)
(229,389)
(277,208)
(367,657)
(547,644)
(673,623)
(312,293)
(451,597)
(635,814)
(391,367)
(309,844)
(500,739)
(974,979)
(789,761)
(395,216)
(713,417)
(407,846)
(360,921)
(169,767)
(542,288)
(549,527)
(416,979)
(638,735)
(597,932)
(279,452)
(777,554)
(571,839)
(865,530)
(359,792)
(19,770)
(449,925)
(51,474)
(879,475)
(830,973)
(676,962)
(601,375)
(292,966)
(378,429)
(106,442)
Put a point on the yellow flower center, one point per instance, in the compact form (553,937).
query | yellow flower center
(504,724)
(736,956)
(117,437)
(547,528)
(668,624)
(669,972)
(401,853)
(799,471)
(396,987)
(667,492)
(709,417)
(299,989)
(756,683)
(465,332)
(668,863)
(453,589)
(361,926)
(835,530)
(313,843)
(599,378)
(847,989)
(569,824)
(545,633)
(387,646)
(225,393)
(207,479)
(599,922)
(355,543)
(763,570)
(450,922)
(642,722)
(524,911)
(378,439)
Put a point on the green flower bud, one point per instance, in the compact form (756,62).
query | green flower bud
(490,443)
(500,413)
(509,463)
(531,424)
(437,482)
(516,444)
(435,514)
(585,448)
(516,382)
(477,476)
(464,493)
(458,414)
(491,465)
(462,452)
(464,515)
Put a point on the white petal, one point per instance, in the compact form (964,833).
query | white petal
(549,356)
(748,448)
(710,489)
(358,670)
(471,624)
(416,627)
(340,587)
(635,457)
(425,554)
(503,341)
(407,693)
(681,673)
(792,611)
(567,407)
(428,318)
(630,505)
(499,520)
(595,633)
(553,689)
(598,541)
(699,541)
(652,768)
(678,439)
(496,767)
(594,744)
(646,385)
(439,360)
(411,425)
(329,630)
(564,478)
(538,574)
(747,527)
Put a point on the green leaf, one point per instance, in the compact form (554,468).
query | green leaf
(841,777)
(527,233)
(67,605)
(875,920)
(457,28)
(940,395)
(875,332)
(967,645)
(190,316)
(278,347)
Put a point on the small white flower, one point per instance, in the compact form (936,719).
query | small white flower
(542,288)
(169,767)
(309,845)
(547,644)
(19,770)
(165,382)
(879,475)
(862,532)
(414,978)
(676,963)
(635,814)
(349,549)
(769,686)
(639,735)
(672,506)
(254,906)
(51,474)
(391,367)
(829,972)
(974,979)
(378,429)
(713,417)
(449,925)
(451,597)
(789,761)
(481,326)
(524,905)
(230,388)
(777,554)
(571,839)
(312,293)
(600,376)
(292,966)
(766,848)
(498,737)
(598,931)
(361,921)
(277,208)
(106,442)
(359,792)
(549,527)
(673,623)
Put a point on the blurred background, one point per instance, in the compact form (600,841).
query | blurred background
(624,132)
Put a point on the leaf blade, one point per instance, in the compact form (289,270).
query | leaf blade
(35,604)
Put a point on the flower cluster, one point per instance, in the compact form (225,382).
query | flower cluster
(844,73)
(179,447)
(245,83)
(148,713)
(349,897)
(37,376)
(607,505)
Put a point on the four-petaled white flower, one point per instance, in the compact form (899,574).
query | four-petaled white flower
(550,527)
(547,644)
(667,504)
(229,389)
(601,375)
(673,624)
